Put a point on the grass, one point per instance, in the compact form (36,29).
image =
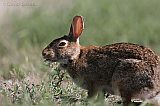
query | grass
(26,80)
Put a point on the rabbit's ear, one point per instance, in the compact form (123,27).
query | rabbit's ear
(76,27)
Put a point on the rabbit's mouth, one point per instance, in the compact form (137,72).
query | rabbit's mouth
(49,62)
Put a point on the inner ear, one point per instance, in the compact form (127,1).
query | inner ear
(76,28)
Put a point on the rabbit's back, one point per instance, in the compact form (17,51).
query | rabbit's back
(130,51)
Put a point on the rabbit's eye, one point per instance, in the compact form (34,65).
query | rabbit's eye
(62,44)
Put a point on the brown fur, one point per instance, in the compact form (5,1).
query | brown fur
(129,70)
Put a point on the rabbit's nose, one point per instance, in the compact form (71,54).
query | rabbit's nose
(44,52)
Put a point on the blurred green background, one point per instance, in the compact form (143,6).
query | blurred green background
(26,30)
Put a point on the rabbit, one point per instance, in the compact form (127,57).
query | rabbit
(125,69)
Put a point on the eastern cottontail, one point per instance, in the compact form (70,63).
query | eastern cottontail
(129,70)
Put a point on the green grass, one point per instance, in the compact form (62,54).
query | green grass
(24,33)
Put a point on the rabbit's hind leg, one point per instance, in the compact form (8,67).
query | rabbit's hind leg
(125,81)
